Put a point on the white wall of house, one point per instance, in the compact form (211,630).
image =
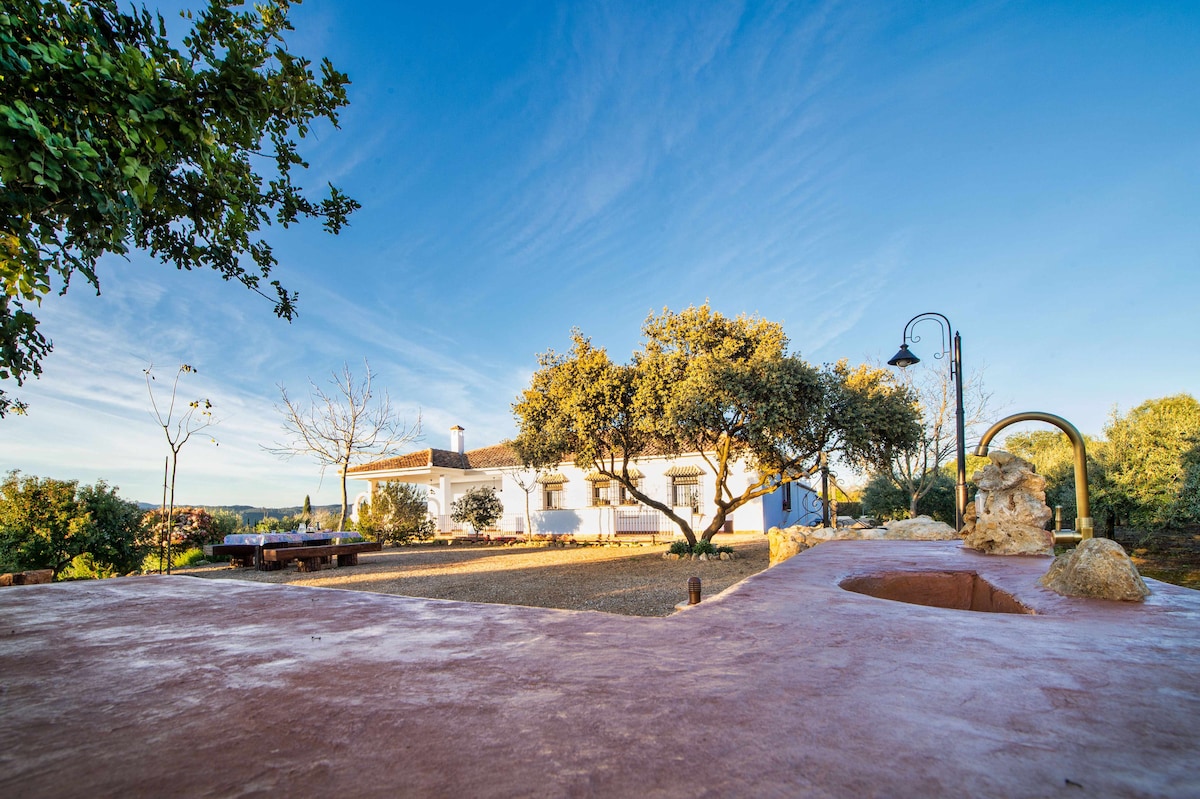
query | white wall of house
(585,511)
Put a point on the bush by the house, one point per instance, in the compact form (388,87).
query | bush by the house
(397,514)
(479,507)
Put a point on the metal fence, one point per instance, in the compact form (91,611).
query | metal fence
(640,521)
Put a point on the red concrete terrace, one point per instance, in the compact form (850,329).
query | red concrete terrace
(786,685)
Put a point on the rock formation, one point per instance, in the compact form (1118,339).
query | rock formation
(921,528)
(1010,512)
(1098,568)
(793,540)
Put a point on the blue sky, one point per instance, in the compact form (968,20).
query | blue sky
(1030,170)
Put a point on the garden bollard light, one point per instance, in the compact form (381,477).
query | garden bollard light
(693,590)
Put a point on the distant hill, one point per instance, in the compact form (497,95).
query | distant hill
(251,514)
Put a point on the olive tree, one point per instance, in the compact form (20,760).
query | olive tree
(114,138)
(726,388)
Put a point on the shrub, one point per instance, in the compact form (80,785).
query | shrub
(882,498)
(479,507)
(193,527)
(397,514)
(704,548)
(680,547)
(153,563)
(84,567)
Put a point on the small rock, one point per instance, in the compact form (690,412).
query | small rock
(36,577)
(1099,569)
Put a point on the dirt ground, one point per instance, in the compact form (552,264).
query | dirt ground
(1172,556)
(633,581)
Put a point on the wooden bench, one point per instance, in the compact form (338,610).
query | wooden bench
(239,554)
(246,555)
(314,558)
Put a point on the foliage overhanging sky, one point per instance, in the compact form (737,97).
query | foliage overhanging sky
(1032,171)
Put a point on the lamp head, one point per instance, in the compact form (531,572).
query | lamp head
(903,358)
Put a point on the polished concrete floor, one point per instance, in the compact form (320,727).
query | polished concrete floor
(786,685)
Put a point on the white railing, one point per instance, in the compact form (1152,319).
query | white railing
(508,524)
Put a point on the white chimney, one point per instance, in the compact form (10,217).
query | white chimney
(457,442)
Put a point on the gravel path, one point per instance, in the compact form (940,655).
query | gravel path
(634,581)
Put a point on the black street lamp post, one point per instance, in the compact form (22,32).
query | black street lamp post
(904,358)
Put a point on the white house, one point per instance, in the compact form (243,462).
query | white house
(567,500)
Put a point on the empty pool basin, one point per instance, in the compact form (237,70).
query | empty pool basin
(956,590)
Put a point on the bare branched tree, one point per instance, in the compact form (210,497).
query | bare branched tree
(178,430)
(343,425)
(526,475)
(915,470)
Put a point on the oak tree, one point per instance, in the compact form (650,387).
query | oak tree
(47,523)
(113,138)
(726,388)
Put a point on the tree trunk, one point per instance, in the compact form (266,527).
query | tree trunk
(342,520)
(528,519)
(912,506)
(171,507)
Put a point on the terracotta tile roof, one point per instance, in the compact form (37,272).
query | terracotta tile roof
(497,455)
(493,456)
(411,460)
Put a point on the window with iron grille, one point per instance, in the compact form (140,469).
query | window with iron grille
(552,496)
(601,492)
(685,491)
(623,495)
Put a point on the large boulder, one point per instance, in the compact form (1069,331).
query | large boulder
(793,540)
(1099,569)
(1010,512)
(783,544)
(920,528)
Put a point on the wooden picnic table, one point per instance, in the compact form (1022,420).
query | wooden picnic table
(311,553)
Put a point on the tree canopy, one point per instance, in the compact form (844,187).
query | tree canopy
(1152,461)
(46,523)
(723,387)
(112,139)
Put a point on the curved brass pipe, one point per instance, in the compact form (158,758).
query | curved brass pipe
(1084,521)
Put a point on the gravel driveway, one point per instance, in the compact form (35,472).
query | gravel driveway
(634,581)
